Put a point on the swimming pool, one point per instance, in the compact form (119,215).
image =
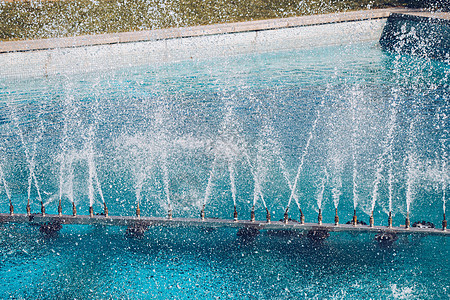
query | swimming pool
(224,131)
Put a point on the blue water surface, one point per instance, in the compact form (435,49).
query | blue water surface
(163,128)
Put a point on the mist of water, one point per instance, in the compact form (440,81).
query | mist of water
(93,177)
(321,190)
(305,151)
(354,146)
(209,185)
(231,166)
(387,154)
(166,180)
(257,190)
(5,185)
(411,171)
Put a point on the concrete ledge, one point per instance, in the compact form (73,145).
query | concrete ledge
(162,34)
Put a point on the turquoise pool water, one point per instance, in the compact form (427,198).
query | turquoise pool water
(377,128)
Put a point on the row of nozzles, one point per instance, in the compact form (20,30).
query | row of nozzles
(74,209)
(286,218)
(354,220)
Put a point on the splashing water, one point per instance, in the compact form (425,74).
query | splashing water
(66,176)
(305,151)
(166,180)
(209,186)
(140,177)
(286,177)
(336,190)
(320,192)
(231,164)
(386,153)
(5,185)
(257,191)
(444,184)
(31,165)
(411,167)
(355,125)
(391,155)
(93,177)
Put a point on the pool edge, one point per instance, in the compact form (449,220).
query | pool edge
(196,31)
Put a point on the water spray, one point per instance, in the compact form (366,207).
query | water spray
(407,221)
(319,217)
(91,211)
(305,153)
(390,220)
(267,215)
(166,182)
(28,208)
(252,214)
(336,218)
(42,208)
(209,187)
(74,209)
(355,219)
(2,178)
(371,220)
(235,215)
(59,208)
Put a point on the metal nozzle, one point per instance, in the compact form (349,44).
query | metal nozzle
(444,223)
(371,221)
(302,217)
(11,208)
(202,213)
(267,215)
(252,214)
(390,220)
(74,209)
(407,221)
(336,218)
(59,208)
(105,209)
(91,211)
(42,208)
(169,214)
(355,219)
(319,217)
(286,216)
(28,208)
(138,211)
(235,216)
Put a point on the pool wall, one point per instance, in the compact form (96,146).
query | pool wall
(111,51)
(48,57)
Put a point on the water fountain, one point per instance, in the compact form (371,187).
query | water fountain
(238,154)
(172,165)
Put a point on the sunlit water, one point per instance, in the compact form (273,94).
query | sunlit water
(224,131)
